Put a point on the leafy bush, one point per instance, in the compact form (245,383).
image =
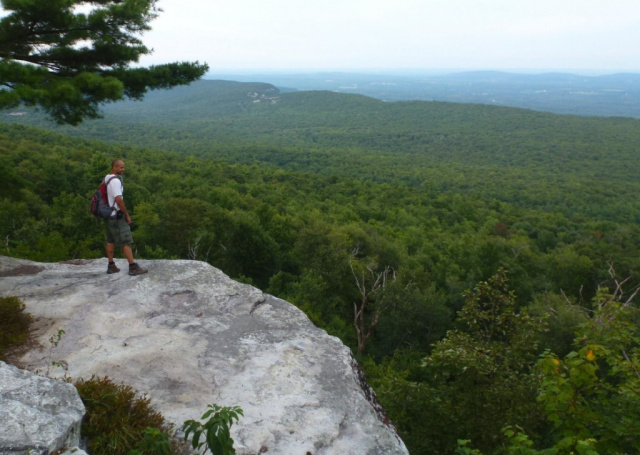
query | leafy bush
(14,324)
(154,442)
(118,422)
(215,429)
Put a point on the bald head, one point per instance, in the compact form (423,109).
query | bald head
(117,167)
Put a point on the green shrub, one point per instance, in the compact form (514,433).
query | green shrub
(117,421)
(215,428)
(14,324)
(154,442)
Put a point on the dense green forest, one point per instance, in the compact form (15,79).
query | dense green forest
(457,249)
(513,155)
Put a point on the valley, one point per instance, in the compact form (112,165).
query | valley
(467,212)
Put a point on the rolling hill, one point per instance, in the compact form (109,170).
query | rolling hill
(560,93)
(510,154)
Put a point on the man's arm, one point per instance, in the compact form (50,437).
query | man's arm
(123,208)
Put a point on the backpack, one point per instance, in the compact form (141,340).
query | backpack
(100,202)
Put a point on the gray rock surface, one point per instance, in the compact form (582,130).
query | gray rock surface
(38,415)
(187,336)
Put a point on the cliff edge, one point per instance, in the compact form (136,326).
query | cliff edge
(187,336)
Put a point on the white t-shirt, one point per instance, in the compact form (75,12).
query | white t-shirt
(114,189)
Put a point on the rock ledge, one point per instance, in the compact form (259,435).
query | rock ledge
(187,336)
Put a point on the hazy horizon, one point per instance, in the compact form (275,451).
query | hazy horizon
(414,71)
(582,93)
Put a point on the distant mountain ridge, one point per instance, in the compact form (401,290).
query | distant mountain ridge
(215,98)
(247,121)
(561,93)
(444,146)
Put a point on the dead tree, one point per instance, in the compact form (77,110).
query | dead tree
(371,285)
(194,248)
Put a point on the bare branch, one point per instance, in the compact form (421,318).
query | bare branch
(369,286)
(632,296)
(624,353)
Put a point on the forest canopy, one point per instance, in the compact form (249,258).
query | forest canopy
(477,260)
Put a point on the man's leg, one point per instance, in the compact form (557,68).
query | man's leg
(134,268)
(112,267)
(128,253)
(124,238)
(111,248)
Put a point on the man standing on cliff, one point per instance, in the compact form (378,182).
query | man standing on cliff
(118,224)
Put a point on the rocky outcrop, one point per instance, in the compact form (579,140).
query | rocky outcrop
(187,336)
(38,415)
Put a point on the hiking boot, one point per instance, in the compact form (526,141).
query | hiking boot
(113,268)
(135,269)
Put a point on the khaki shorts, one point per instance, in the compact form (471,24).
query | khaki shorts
(118,232)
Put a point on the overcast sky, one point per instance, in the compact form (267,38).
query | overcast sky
(600,35)
(596,35)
